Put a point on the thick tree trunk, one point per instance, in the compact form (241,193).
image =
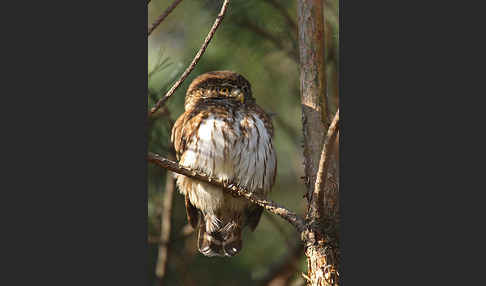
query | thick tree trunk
(312,84)
(320,237)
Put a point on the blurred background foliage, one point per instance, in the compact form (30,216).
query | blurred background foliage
(257,38)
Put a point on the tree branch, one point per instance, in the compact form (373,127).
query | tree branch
(163,16)
(316,205)
(196,59)
(269,205)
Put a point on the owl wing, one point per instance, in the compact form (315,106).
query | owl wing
(184,128)
(254,212)
(258,170)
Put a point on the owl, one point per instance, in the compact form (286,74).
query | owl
(225,134)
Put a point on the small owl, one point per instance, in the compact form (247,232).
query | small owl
(223,133)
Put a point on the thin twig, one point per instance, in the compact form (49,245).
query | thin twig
(163,16)
(269,205)
(198,56)
(317,201)
(161,266)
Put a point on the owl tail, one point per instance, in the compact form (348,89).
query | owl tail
(225,241)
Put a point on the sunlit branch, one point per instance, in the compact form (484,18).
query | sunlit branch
(269,205)
(163,16)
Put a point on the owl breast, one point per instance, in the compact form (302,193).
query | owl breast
(236,148)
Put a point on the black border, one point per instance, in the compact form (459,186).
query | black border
(76,167)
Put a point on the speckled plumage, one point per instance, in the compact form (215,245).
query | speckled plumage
(224,133)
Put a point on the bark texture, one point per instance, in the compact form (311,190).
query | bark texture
(321,245)
(312,84)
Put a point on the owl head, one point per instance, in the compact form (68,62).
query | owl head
(219,85)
